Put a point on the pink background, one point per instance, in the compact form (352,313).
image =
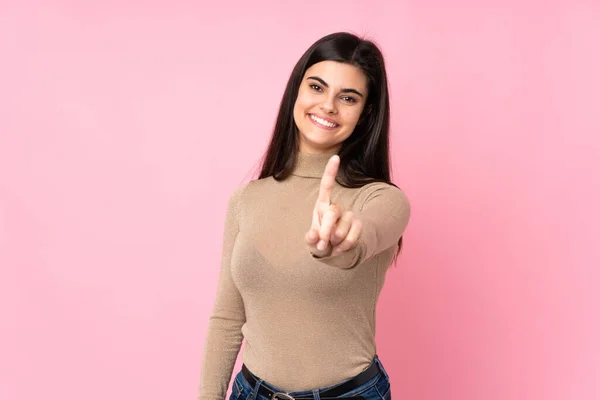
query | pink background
(124,129)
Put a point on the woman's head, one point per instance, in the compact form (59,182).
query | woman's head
(336,100)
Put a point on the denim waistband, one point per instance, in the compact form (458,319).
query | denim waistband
(308,393)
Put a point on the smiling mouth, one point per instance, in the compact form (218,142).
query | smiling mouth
(320,122)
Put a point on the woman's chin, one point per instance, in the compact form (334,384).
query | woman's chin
(320,141)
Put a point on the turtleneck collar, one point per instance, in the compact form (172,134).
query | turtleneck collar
(310,165)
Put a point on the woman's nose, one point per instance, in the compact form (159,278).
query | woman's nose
(328,107)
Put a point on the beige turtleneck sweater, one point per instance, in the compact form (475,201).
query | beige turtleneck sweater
(308,322)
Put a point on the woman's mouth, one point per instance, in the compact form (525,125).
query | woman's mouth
(321,123)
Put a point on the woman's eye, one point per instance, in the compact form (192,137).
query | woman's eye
(349,99)
(315,87)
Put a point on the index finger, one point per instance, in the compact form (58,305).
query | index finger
(328,180)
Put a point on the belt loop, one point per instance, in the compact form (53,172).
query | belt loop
(254,393)
(316,394)
(381,367)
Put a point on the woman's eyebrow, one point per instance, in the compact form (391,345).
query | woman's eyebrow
(347,90)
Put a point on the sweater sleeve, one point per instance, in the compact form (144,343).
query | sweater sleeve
(384,215)
(224,334)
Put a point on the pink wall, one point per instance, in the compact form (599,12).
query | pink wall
(123,130)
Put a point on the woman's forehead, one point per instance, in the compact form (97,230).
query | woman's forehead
(338,75)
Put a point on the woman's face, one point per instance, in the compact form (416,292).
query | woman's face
(330,101)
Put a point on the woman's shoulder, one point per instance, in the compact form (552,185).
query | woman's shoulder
(248,188)
(383,190)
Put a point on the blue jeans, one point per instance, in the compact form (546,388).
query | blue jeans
(377,388)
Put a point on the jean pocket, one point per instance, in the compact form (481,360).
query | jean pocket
(237,389)
(384,388)
(385,393)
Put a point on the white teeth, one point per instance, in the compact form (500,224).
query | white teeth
(322,121)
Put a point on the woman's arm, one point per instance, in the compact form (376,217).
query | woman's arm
(384,215)
(224,337)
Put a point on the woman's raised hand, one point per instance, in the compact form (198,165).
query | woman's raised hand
(333,230)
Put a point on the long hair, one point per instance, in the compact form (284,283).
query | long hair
(364,155)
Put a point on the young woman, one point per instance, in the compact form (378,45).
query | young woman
(307,245)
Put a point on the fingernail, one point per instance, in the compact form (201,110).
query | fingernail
(321,245)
